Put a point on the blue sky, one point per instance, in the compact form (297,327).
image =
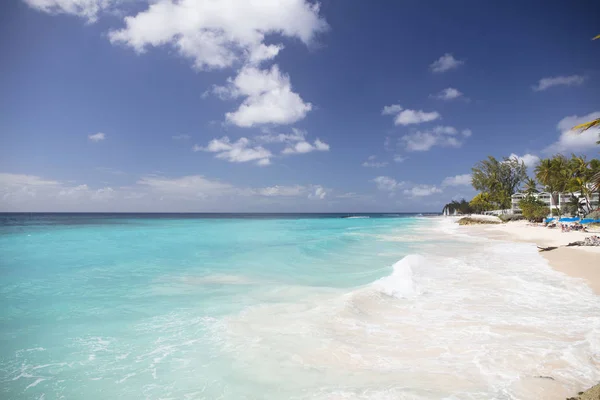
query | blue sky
(234,105)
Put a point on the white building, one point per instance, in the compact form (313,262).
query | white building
(563,199)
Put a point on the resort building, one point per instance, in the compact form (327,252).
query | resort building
(563,199)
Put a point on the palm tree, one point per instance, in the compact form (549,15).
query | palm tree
(459,207)
(530,186)
(579,179)
(553,174)
(594,175)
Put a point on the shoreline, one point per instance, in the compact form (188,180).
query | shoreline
(577,262)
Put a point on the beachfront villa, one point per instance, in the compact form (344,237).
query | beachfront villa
(546,197)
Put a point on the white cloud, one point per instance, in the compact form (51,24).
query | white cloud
(306,147)
(528,159)
(76,191)
(444,136)
(422,190)
(284,191)
(245,150)
(97,137)
(181,137)
(546,83)
(88,9)
(269,98)
(219,34)
(373,163)
(387,184)
(20,192)
(391,109)
(447,94)
(20,180)
(408,117)
(399,158)
(238,152)
(318,192)
(569,140)
(445,63)
(458,180)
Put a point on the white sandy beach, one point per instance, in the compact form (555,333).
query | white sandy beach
(579,262)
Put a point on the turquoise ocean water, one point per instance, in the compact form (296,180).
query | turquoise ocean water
(117,307)
(253,307)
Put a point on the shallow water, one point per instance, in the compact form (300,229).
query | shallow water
(271,308)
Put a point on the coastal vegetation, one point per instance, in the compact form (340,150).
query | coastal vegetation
(497,180)
(533,209)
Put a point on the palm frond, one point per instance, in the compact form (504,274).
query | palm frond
(595,181)
(587,125)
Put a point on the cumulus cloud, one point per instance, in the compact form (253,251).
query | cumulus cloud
(408,117)
(317,192)
(443,136)
(268,98)
(528,159)
(218,34)
(306,147)
(458,180)
(88,9)
(546,83)
(391,109)
(385,183)
(399,158)
(569,140)
(285,191)
(448,94)
(97,137)
(245,150)
(422,190)
(238,152)
(445,63)
(296,142)
(373,163)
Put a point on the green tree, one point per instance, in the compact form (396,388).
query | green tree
(533,209)
(553,174)
(481,202)
(530,186)
(461,207)
(500,179)
(451,207)
(579,179)
(595,175)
